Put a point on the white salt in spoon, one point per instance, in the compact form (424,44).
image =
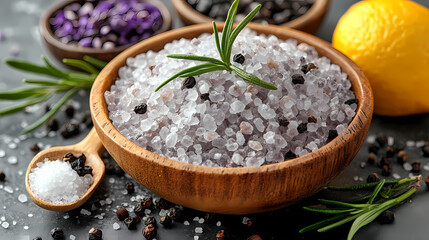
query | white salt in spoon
(92,147)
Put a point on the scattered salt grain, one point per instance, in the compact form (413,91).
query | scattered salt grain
(407,166)
(198,230)
(83,211)
(57,182)
(396,176)
(8,189)
(116,226)
(2,153)
(72,237)
(30,215)
(26,227)
(201,220)
(186,223)
(219,223)
(12,160)
(5,225)
(22,198)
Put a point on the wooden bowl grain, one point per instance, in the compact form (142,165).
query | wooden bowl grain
(234,190)
(61,50)
(308,22)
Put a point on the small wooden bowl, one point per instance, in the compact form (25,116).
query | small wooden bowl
(61,50)
(308,22)
(234,190)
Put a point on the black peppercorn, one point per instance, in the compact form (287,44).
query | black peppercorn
(122,213)
(150,220)
(402,157)
(129,186)
(372,148)
(290,155)
(176,214)
(352,101)
(283,121)
(87,120)
(386,217)
(139,210)
(57,234)
(189,82)
(82,157)
(87,170)
(162,204)
(52,124)
(332,134)
(307,67)
(95,234)
(372,158)
(47,108)
(35,148)
(69,111)
(238,58)
(71,129)
(298,79)
(205,96)
(373,177)
(254,237)
(119,172)
(312,119)
(131,223)
(220,235)
(140,109)
(390,151)
(386,170)
(110,169)
(302,127)
(385,161)
(416,167)
(165,221)
(149,232)
(381,139)
(69,157)
(2,176)
(147,202)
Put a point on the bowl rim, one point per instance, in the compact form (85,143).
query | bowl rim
(102,121)
(319,7)
(48,35)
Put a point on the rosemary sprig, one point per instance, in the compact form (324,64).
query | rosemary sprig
(43,89)
(363,213)
(224,47)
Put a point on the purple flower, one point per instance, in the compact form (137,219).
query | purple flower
(85,42)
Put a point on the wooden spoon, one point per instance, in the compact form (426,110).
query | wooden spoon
(92,147)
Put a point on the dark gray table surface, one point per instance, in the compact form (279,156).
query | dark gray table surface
(18,20)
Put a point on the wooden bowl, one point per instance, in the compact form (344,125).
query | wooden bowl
(234,190)
(308,22)
(61,50)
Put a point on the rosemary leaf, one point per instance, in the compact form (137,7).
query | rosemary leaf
(328,210)
(202,71)
(28,67)
(376,191)
(216,34)
(238,29)
(252,78)
(81,65)
(322,223)
(49,114)
(185,71)
(55,71)
(97,63)
(19,107)
(361,186)
(339,223)
(80,77)
(196,58)
(227,28)
(43,82)
(23,93)
(342,204)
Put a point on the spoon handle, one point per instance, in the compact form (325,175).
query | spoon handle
(91,143)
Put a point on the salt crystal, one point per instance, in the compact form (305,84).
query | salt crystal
(186,223)
(201,220)
(57,182)
(396,176)
(116,226)
(218,223)
(83,211)
(210,136)
(72,237)
(111,180)
(12,160)
(167,94)
(14,223)
(246,128)
(237,107)
(5,225)
(198,230)
(8,189)
(255,145)
(426,167)
(2,153)
(196,219)
(22,198)
(407,166)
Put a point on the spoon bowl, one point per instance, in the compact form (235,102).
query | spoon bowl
(92,147)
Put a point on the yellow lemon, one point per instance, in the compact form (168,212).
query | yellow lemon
(389,41)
